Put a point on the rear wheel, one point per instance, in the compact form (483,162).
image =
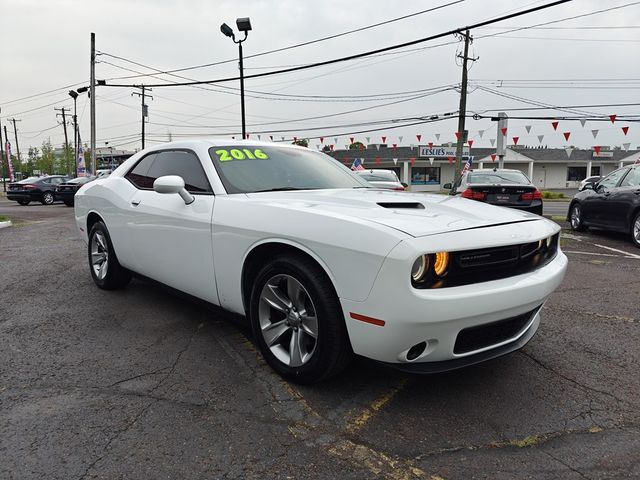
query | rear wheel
(47,198)
(297,320)
(106,271)
(635,230)
(24,202)
(576,218)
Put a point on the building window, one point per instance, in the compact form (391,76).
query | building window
(595,170)
(425,176)
(575,174)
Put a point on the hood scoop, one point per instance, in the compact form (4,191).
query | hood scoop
(404,205)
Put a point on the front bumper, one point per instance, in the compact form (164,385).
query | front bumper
(65,195)
(437,316)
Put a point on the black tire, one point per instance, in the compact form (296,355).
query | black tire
(24,202)
(575,218)
(68,203)
(48,198)
(331,348)
(635,230)
(114,276)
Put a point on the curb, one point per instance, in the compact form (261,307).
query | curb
(5,224)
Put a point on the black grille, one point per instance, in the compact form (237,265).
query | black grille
(475,338)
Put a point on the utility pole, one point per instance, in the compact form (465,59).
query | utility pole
(4,181)
(15,133)
(145,108)
(92,94)
(462,112)
(66,139)
(500,142)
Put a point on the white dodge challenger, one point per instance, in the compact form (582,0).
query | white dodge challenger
(321,263)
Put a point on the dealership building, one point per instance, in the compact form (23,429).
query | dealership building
(428,169)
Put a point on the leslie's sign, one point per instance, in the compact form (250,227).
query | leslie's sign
(441,152)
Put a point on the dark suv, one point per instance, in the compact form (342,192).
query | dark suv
(35,189)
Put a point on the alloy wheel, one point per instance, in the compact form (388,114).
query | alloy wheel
(288,320)
(47,198)
(636,230)
(575,217)
(99,255)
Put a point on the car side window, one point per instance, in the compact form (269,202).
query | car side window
(46,181)
(611,180)
(56,181)
(632,179)
(184,164)
(138,175)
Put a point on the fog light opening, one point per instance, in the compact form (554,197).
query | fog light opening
(417,350)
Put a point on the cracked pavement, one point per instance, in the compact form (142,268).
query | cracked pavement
(142,383)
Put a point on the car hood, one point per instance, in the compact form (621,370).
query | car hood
(416,214)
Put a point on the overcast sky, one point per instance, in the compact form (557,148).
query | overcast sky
(45,46)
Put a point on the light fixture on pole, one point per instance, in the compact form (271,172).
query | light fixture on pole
(244,25)
(73,94)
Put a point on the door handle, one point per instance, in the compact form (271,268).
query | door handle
(135,202)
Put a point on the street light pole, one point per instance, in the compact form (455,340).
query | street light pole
(244,25)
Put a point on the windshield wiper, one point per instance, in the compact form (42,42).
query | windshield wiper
(283,189)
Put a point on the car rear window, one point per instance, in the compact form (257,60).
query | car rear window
(380,177)
(496,177)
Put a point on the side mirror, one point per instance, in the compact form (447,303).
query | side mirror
(405,185)
(447,186)
(588,186)
(173,184)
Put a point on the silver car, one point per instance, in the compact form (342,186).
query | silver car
(381,178)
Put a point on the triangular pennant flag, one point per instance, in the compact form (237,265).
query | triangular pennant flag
(259,137)
(384,139)
(594,133)
(346,147)
(271,137)
(515,140)
(625,130)
(451,159)
(322,140)
(567,135)
(400,139)
(368,139)
(493,157)
(492,141)
(331,147)
(569,150)
(351,139)
(555,125)
(412,145)
(378,146)
(395,161)
(418,137)
(395,145)
(504,130)
(626,146)
(295,139)
(540,137)
(458,135)
(318,146)
(282,138)
(527,128)
(247,136)
(597,149)
(612,118)
(413,160)
(430,160)
(430,145)
(437,137)
(469,142)
(583,122)
(378,160)
(335,140)
(480,133)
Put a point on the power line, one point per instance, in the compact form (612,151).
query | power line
(363,54)
(287,47)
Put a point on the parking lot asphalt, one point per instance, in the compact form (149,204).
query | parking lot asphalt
(142,383)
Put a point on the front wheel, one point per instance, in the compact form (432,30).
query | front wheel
(106,271)
(576,218)
(635,230)
(24,202)
(297,320)
(47,198)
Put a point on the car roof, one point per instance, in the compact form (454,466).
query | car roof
(491,170)
(222,142)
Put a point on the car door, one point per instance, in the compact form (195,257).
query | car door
(596,207)
(623,200)
(172,241)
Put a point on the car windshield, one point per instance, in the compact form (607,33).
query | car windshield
(379,176)
(80,180)
(30,180)
(497,177)
(259,168)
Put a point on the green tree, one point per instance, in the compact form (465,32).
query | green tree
(303,142)
(32,161)
(356,146)
(47,161)
(326,148)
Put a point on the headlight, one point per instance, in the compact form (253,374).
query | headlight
(419,268)
(441,263)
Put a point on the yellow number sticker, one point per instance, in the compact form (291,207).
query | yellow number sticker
(237,154)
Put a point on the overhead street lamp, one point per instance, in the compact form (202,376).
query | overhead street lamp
(73,94)
(244,25)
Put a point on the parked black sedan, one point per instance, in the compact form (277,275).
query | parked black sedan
(613,203)
(35,189)
(503,187)
(67,190)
